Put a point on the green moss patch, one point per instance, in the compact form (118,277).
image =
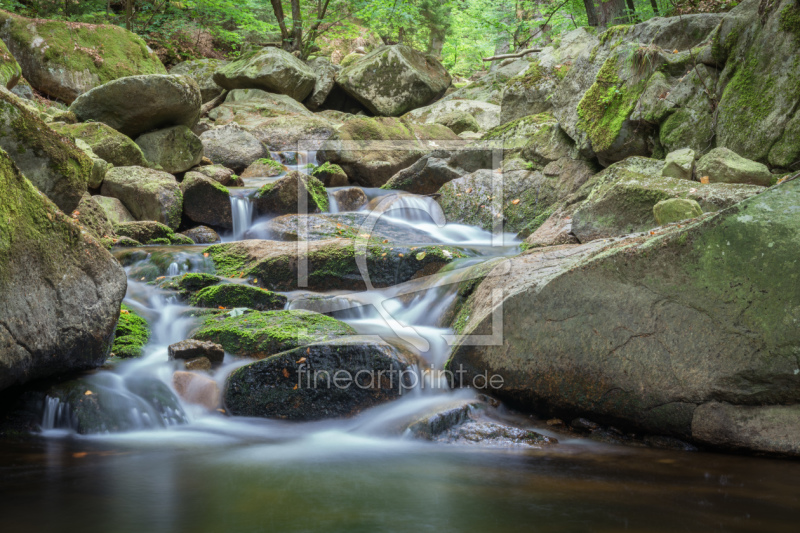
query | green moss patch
(132,334)
(232,295)
(259,334)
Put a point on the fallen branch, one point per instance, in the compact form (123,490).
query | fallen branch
(216,102)
(515,54)
(530,50)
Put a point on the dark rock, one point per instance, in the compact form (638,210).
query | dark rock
(277,387)
(192,349)
(138,104)
(47,265)
(205,201)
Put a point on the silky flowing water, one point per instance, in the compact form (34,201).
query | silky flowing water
(199,471)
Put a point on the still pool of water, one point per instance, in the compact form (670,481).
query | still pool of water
(339,482)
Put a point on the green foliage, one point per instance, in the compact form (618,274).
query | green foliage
(461,32)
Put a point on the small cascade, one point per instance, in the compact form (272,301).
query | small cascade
(242,209)
(57,415)
(173,270)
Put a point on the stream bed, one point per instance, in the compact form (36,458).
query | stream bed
(203,471)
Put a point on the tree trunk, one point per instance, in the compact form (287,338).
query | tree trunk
(591,12)
(297,26)
(654,4)
(129,14)
(611,13)
(436,42)
(631,11)
(277,8)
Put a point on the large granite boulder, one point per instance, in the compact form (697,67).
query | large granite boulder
(259,334)
(529,92)
(487,116)
(66,59)
(326,78)
(332,264)
(288,194)
(278,121)
(202,71)
(138,104)
(269,69)
(758,116)
(372,150)
(722,165)
(61,290)
(174,149)
(299,384)
(620,199)
(206,201)
(654,332)
(147,194)
(51,162)
(10,71)
(232,147)
(106,142)
(393,80)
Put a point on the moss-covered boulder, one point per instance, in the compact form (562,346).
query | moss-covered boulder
(269,69)
(91,215)
(278,121)
(299,384)
(330,175)
(530,91)
(264,167)
(620,200)
(648,330)
(490,87)
(758,114)
(115,211)
(232,147)
(148,232)
(66,59)
(61,290)
(206,201)
(147,194)
(218,173)
(288,194)
(232,295)
(459,122)
(529,197)
(393,80)
(485,116)
(202,71)
(187,284)
(131,335)
(138,104)
(346,225)
(675,210)
(721,165)
(426,176)
(325,72)
(679,164)
(371,164)
(202,235)
(174,149)
(350,58)
(106,142)
(51,162)
(10,71)
(332,264)
(259,334)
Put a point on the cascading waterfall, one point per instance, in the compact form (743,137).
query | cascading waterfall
(242,211)
(408,315)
